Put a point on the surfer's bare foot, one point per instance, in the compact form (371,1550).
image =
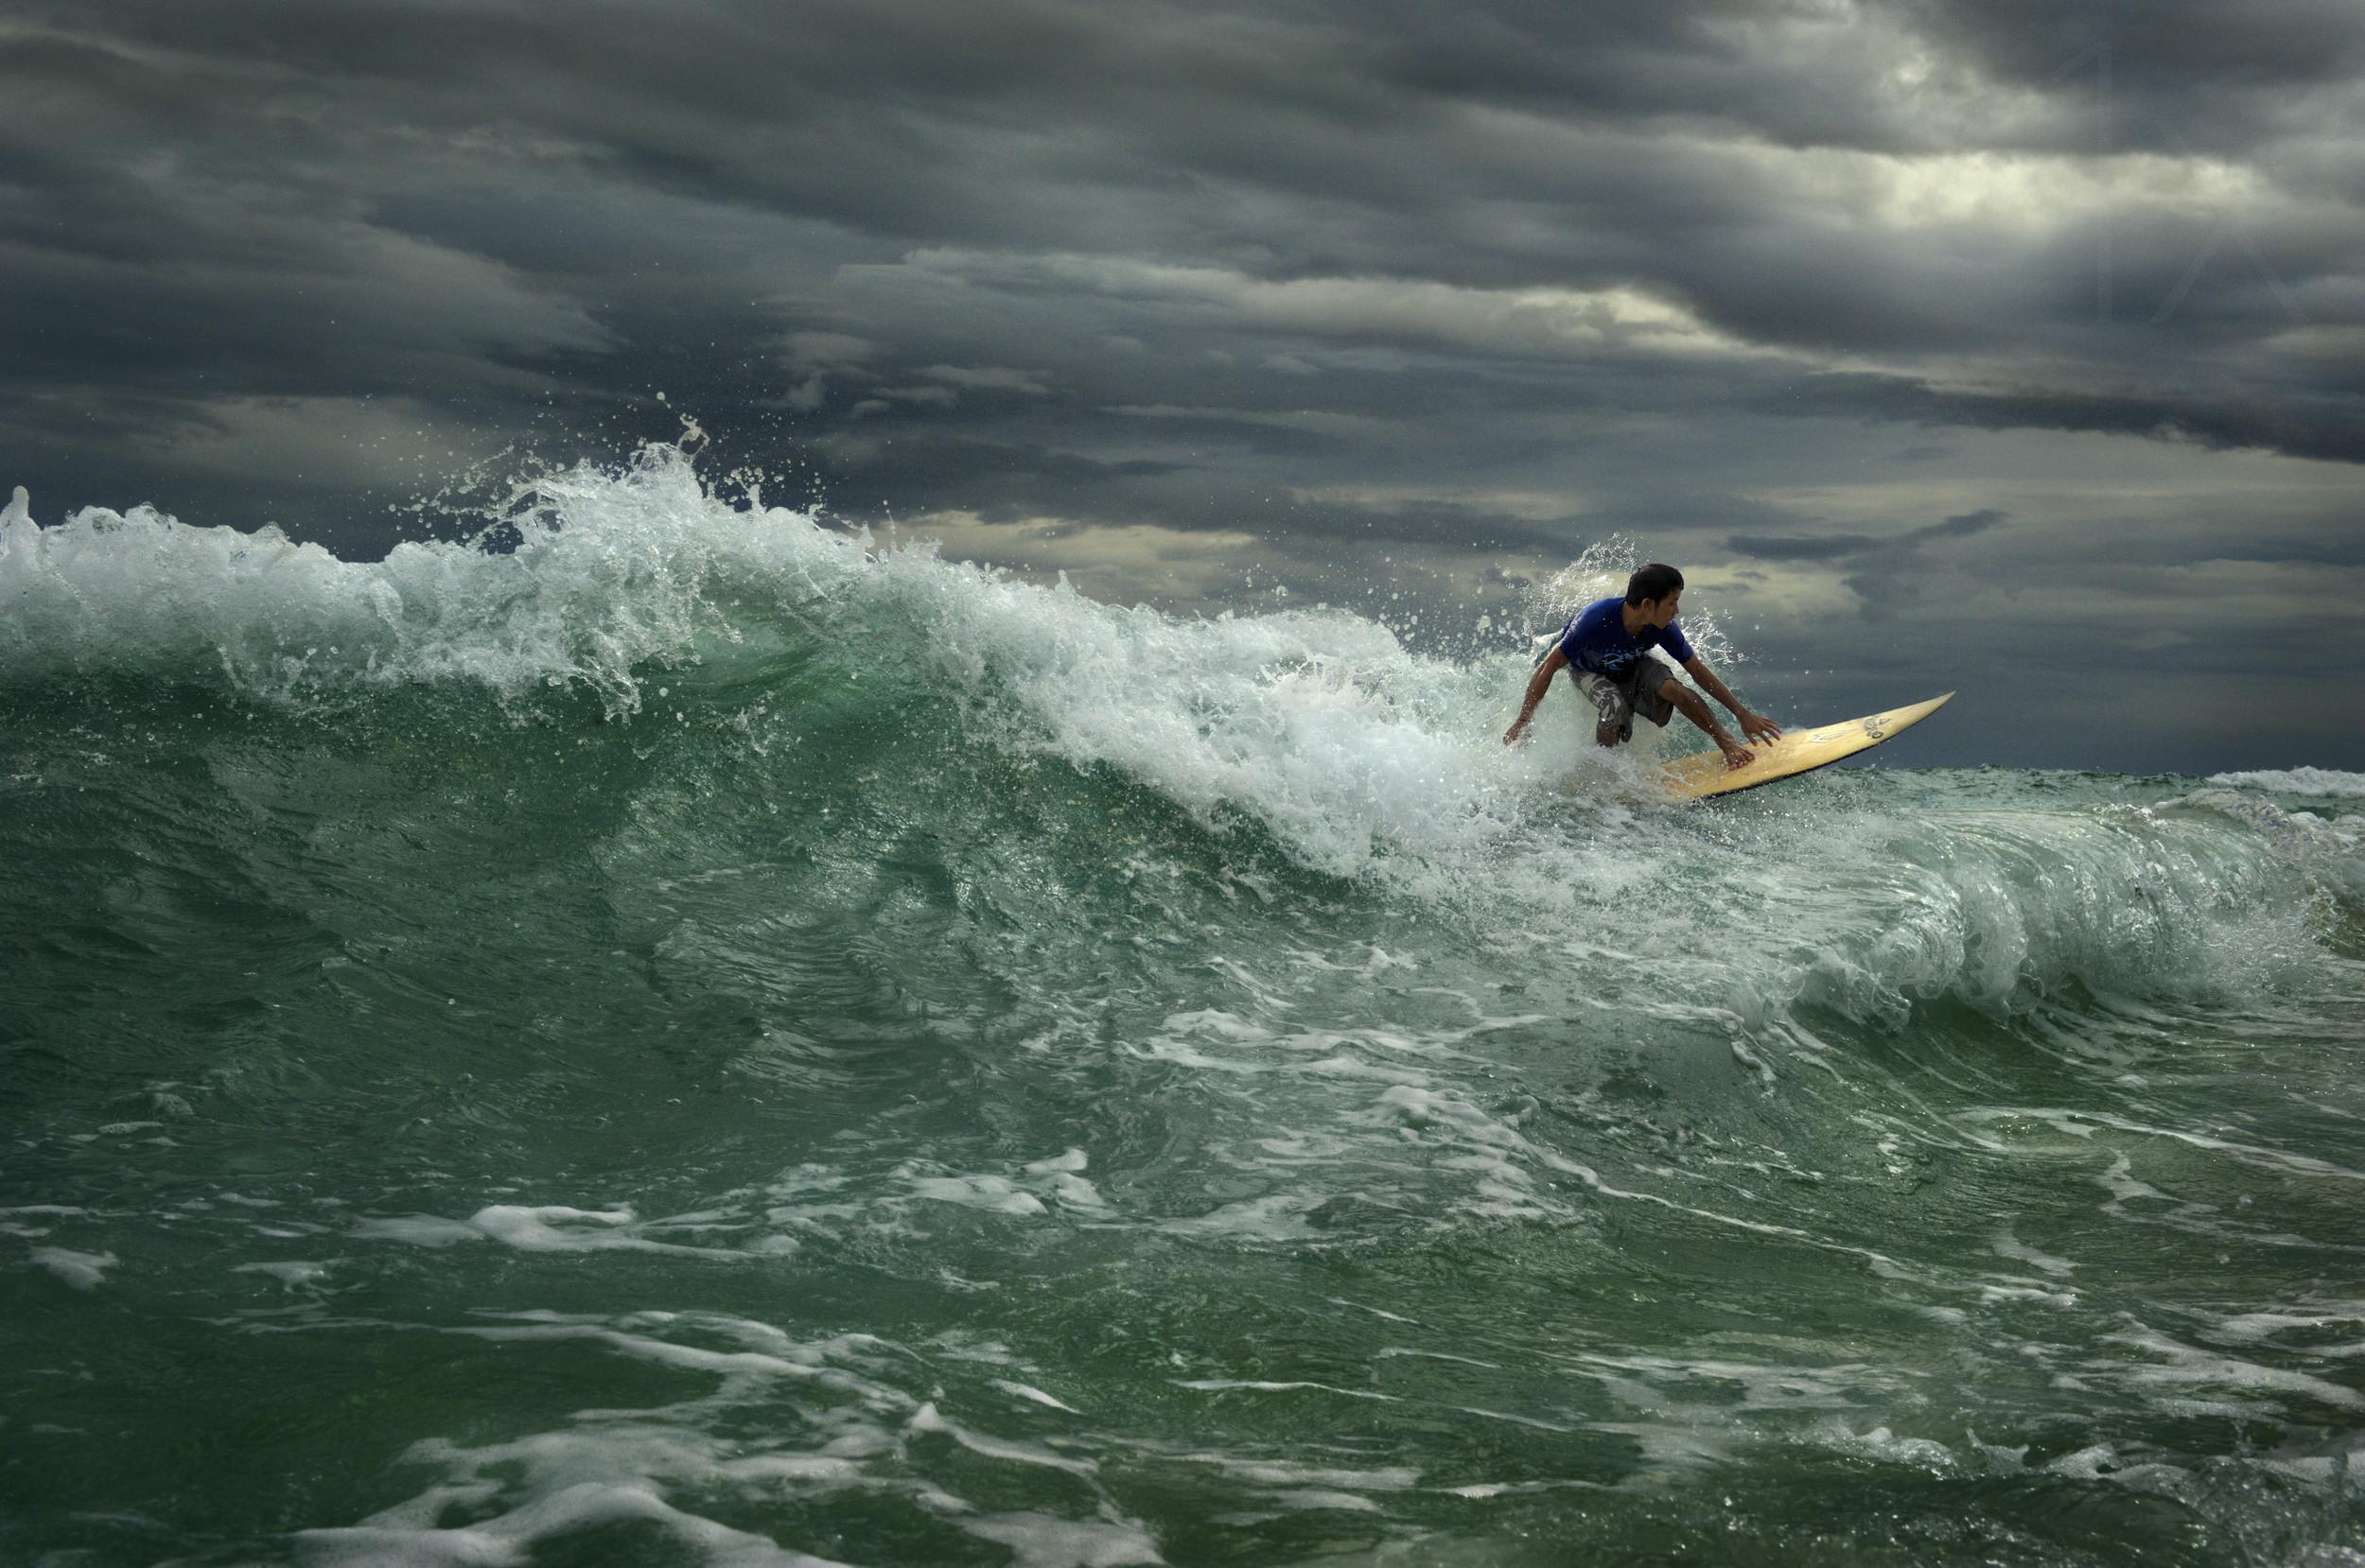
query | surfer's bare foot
(1738,757)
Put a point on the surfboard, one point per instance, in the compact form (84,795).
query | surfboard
(1798,750)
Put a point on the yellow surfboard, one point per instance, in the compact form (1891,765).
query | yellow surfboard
(1798,750)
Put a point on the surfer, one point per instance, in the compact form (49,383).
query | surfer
(1606,647)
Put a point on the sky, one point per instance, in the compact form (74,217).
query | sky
(2009,346)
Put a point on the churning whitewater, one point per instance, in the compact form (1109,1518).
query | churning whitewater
(677,1033)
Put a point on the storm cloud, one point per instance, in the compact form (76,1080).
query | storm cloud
(1940,342)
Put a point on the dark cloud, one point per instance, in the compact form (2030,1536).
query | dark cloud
(1883,570)
(1962,525)
(1484,288)
(1840,547)
(2160,47)
(2310,423)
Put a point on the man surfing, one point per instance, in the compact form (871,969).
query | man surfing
(1606,648)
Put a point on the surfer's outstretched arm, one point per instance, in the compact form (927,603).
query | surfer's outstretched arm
(1756,726)
(1539,683)
(1688,702)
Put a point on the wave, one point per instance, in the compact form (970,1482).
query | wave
(1321,725)
(1309,746)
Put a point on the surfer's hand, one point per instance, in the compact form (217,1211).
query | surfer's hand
(1511,736)
(1756,726)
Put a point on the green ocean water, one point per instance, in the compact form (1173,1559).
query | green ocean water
(703,1040)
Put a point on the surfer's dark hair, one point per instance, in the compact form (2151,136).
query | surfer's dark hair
(1655,581)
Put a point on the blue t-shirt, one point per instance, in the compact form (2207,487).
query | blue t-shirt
(1597,639)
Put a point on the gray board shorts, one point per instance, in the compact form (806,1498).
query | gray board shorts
(1633,690)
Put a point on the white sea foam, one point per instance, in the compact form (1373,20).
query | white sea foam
(1884,1445)
(978,1192)
(927,1419)
(829,1423)
(547,1227)
(2254,1327)
(1225,1386)
(1027,1391)
(1044,1541)
(2007,1246)
(292,1274)
(510,1537)
(1280,1217)
(82,1270)
(2180,1365)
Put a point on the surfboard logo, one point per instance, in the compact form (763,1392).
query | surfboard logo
(1872,727)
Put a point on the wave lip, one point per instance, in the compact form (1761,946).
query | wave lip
(2324,783)
(609,571)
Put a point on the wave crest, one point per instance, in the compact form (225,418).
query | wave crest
(2321,783)
(609,573)
(1352,757)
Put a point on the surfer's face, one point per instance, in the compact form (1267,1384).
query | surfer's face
(1659,612)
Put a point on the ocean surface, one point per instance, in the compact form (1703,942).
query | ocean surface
(699,1038)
